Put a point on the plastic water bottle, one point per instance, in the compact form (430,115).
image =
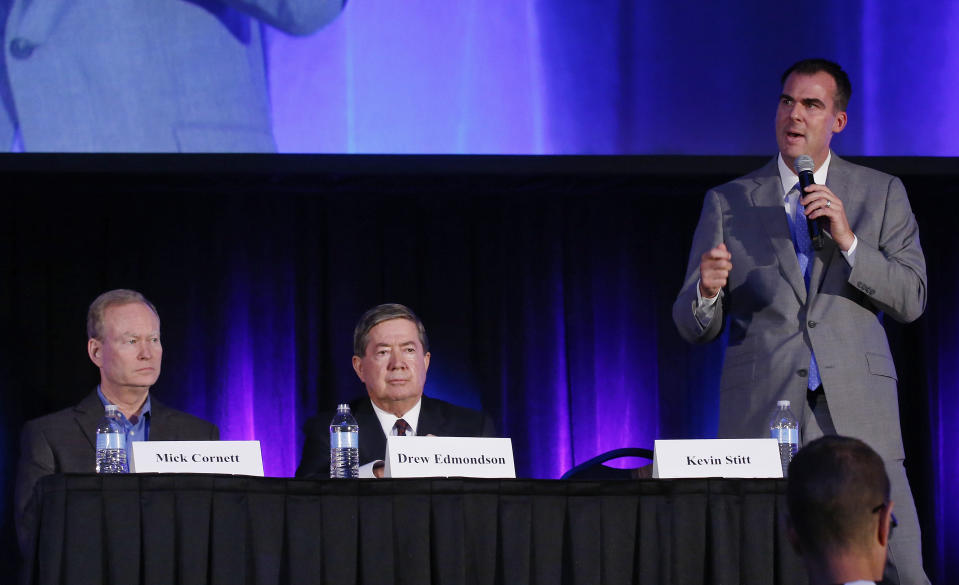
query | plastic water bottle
(344,444)
(111,443)
(784,427)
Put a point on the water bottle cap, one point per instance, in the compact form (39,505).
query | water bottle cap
(111,408)
(782,403)
(342,407)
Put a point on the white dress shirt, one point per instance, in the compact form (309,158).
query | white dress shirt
(706,307)
(387,420)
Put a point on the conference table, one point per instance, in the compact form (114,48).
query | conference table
(232,530)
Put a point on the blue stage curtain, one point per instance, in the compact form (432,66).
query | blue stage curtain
(546,296)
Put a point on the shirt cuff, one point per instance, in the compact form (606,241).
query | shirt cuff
(705,307)
(702,301)
(850,254)
(366,471)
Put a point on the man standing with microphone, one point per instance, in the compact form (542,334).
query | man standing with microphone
(805,324)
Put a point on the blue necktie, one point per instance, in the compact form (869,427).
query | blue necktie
(804,251)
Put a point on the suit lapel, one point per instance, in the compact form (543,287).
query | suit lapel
(372,439)
(768,194)
(90,410)
(162,424)
(87,415)
(823,259)
(431,420)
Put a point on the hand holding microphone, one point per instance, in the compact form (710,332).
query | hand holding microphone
(824,210)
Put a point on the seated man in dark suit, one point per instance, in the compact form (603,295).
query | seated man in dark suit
(840,514)
(123,330)
(390,356)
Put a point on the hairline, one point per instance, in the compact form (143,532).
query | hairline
(381,314)
(810,67)
(114,298)
(836,95)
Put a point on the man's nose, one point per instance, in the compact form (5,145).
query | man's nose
(796,112)
(145,351)
(396,360)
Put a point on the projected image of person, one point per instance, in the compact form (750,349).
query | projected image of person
(131,76)
(805,324)
(390,356)
(123,330)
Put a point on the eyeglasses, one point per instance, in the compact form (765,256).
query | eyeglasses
(892,517)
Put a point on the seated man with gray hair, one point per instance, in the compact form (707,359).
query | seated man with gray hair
(840,514)
(390,356)
(123,341)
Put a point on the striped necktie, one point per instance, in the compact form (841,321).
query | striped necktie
(400,427)
(804,252)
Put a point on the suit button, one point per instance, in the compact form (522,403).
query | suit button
(811,324)
(802,372)
(21,48)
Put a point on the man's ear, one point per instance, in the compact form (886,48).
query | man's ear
(885,524)
(840,124)
(358,367)
(94,350)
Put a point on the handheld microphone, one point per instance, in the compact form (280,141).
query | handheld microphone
(804,168)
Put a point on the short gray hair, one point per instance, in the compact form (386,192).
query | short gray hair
(378,314)
(112,298)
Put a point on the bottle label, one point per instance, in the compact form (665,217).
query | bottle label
(111,441)
(348,440)
(785,435)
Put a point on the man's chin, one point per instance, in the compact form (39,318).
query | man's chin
(395,395)
(143,383)
(404,396)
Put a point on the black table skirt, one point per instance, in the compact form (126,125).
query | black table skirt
(224,530)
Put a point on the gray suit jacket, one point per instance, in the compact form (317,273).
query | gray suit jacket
(65,442)
(773,322)
(437,417)
(143,76)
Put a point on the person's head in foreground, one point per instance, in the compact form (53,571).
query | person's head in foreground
(840,514)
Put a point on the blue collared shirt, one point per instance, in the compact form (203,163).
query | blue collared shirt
(135,430)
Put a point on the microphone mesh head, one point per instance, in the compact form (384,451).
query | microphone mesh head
(804,162)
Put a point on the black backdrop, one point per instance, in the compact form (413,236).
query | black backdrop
(545,284)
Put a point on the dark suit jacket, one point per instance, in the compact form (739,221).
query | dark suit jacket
(437,417)
(773,321)
(65,442)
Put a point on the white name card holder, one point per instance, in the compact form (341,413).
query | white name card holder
(230,457)
(739,458)
(449,457)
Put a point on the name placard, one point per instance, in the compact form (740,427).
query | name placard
(449,457)
(742,458)
(232,457)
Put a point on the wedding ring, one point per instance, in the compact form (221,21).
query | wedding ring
(828,203)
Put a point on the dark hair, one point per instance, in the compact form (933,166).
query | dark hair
(378,314)
(112,298)
(813,66)
(835,486)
